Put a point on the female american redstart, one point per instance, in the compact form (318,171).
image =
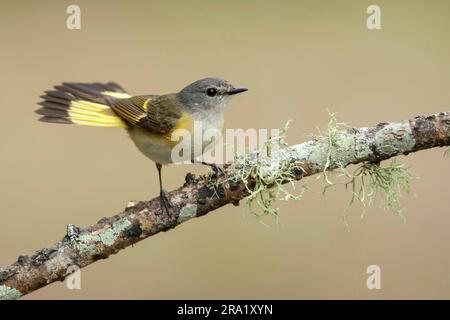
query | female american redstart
(149,119)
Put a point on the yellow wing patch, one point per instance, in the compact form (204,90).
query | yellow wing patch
(145,105)
(118,95)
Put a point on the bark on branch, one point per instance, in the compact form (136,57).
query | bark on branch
(81,247)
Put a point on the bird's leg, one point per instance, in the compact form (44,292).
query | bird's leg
(165,202)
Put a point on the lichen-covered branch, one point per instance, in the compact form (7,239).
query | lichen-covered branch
(83,246)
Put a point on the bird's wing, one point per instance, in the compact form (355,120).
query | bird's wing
(157,114)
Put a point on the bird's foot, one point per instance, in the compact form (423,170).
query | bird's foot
(165,202)
(218,171)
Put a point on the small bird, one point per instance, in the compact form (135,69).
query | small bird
(149,119)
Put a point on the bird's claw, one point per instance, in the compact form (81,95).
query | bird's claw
(165,202)
(217,170)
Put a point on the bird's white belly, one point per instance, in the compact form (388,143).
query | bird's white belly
(159,149)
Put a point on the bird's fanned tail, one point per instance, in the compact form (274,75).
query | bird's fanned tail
(82,104)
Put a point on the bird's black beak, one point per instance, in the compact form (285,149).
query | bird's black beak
(236,91)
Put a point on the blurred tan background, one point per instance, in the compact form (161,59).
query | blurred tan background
(298,58)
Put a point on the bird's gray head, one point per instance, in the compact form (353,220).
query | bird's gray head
(208,94)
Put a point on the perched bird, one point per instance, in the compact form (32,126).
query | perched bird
(149,119)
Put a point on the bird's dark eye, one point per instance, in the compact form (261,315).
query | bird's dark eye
(211,92)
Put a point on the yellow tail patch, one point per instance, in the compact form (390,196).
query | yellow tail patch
(87,113)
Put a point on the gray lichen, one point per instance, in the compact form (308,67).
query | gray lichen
(188,212)
(7,293)
(90,244)
(57,261)
(395,138)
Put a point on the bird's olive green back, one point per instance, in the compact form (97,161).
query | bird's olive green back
(157,114)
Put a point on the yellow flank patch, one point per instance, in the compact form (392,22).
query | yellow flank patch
(118,95)
(186,122)
(87,113)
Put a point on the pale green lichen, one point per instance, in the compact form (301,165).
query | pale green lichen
(188,212)
(447,153)
(337,148)
(264,173)
(336,143)
(368,180)
(7,293)
(90,244)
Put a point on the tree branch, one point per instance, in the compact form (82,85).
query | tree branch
(81,247)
